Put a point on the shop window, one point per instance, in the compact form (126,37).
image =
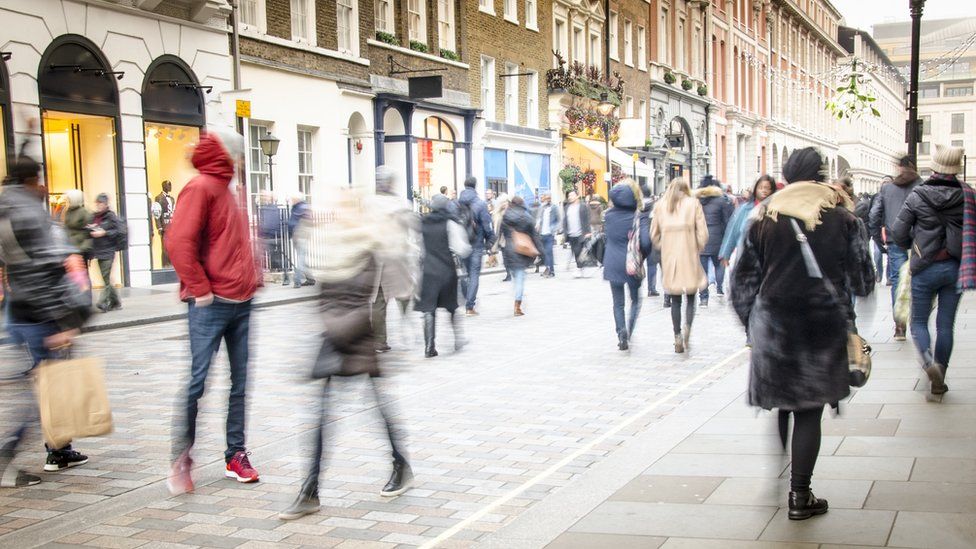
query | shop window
(488,87)
(258,172)
(496,170)
(303,21)
(436,158)
(347,26)
(531,173)
(511,94)
(167,171)
(532,99)
(305,166)
(445,24)
(416,21)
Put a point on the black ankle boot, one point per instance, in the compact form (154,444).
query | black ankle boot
(622,340)
(430,323)
(400,479)
(804,505)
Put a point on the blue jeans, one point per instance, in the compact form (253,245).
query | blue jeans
(518,277)
(473,265)
(617,291)
(713,260)
(652,261)
(300,272)
(878,260)
(939,279)
(896,258)
(208,325)
(547,241)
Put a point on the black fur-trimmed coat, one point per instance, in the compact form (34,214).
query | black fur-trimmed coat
(798,329)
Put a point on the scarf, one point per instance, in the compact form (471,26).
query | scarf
(805,201)
(967,265)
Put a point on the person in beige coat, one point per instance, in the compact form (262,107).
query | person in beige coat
(678,229)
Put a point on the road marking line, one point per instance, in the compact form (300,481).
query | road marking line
(452,531)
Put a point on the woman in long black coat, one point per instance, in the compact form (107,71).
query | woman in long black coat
(439,282)
(799,324)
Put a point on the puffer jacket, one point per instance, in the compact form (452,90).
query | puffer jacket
(33,251)
(888,204)
(619,220)
(718,210)
(930,223)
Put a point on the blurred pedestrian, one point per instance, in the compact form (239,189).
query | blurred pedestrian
(576,227)
(522,247)
(271,231)
(501,206)
(473,213)
(45,306)
(764,187)
(299,240)
(653,259)
(799,310)
(210,247)
(398,256)
(443,238)
(626,201)
(884,212)
(679,230)
(107,231)
(77,221)
(547,224)
(931,224)
(348,275)
(718,210)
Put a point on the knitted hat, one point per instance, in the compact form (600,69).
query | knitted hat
(947,160)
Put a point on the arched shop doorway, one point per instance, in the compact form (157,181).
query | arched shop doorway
(173,112)
(680,145)
(79,102)
(436,158)
(6,124)
(359,163)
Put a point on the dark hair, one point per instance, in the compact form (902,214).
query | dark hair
(764,177)
(517,201)
(21,170)
(470,182)
(444,189)
(906,162)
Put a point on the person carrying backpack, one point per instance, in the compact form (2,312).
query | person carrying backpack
(109,234)
(473,216)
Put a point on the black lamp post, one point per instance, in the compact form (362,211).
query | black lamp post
(269,146)
(916,11)
(605,108)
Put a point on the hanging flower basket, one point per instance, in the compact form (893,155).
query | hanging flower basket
(670,78)
(686,85)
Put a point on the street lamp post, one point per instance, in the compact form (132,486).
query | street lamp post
(269,146)
(605,108)
(915,7)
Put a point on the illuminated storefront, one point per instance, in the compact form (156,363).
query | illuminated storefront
(173,113)
(436,159)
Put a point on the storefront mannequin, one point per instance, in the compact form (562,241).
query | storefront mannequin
(163,207)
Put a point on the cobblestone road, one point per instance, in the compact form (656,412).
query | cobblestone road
(528,406)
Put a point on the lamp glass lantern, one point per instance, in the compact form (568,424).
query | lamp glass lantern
(605,107)
(269,145)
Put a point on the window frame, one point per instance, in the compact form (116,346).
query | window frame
(510,13)
(488,98)
(578,31)
(260,23)
(532,14)
(307,157)
(388,17)
(511,98)
(310,34)
(421,17)
(450,22)
(957,116)
(353,48)
(594,49)
(614,36)
(641,48)
(628,43)
(532,99)
(261,173)
(486,6)
(924,148)
(926,122)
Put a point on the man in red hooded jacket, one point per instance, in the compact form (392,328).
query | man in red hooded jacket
(209,245)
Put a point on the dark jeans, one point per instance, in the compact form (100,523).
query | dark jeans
(939,279)
(208,325)
(110,297)
(311,484)
(547,241)
(719,273)
(896,258)
(676,312)
(617,290)
(30,337)
(576,245)
(378,316)
(473,266)
(652,262)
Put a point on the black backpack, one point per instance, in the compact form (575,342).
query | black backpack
(122,234)
(468,221)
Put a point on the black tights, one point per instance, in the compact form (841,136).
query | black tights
(676,312)
(805,447)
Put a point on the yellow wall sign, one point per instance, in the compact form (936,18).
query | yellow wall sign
(243,108)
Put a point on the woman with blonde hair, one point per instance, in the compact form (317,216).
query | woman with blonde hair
(678,229)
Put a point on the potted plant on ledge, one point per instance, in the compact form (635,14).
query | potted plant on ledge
(670,78)
(686,85)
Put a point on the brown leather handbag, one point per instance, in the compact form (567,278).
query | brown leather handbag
(522,244)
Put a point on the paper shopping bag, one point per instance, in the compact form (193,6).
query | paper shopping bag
(72,399)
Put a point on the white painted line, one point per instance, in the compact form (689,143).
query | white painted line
(454,530)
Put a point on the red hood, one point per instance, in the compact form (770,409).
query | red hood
(210,157)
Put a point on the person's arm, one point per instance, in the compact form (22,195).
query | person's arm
(183,241)
(487,227)
(655,230)
(876,219)
(901,233)
(860,269)
(644,227)
(701,227)
(733,232)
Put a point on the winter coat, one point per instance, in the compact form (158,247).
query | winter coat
(208,241)
(33,251)
(797,326)
(400,249)
(887,205)
(555,218)
(736,230)
(584,217)
(439,281)
(718,210)
(270,225)
(484,233)
(680,235)
(920,228)
(517,218)
(76,222)
(618,222)
(345,314)
(105,247)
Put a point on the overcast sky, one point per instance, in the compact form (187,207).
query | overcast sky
(864,13)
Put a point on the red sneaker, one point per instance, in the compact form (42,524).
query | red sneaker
(240,468)
(180,481)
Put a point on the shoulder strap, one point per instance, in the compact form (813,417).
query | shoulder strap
(810,260)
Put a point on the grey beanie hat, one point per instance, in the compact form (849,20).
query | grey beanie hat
(439,202)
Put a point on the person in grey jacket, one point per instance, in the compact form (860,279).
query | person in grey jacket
(884,212)
(930,224)
(718,210)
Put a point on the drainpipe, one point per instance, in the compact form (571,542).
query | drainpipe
(706,14)
(235,42)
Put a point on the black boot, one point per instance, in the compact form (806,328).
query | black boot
(430,322)
(622,340)
(306,503)
(804,505)
(400,480)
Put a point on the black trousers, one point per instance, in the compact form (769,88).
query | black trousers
(676,312)
(576,245)
(805,446)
